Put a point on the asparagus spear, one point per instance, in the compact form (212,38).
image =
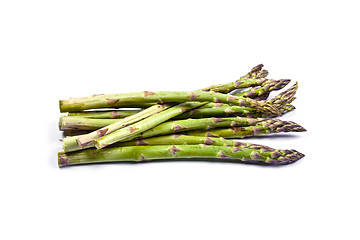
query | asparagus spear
(194,140)
(255,77)
(280,102)
(78,142)
(287,107)
(265,127)
(236,127)
(198,124)
(175,152)
(262,92)
(285,97)
(135,129)
(222,110)
(122,100)
(80,123)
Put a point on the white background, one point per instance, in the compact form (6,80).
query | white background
(51,50)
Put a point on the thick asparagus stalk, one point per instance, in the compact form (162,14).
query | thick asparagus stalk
(266,127)
(84,141)
(135,129)
(175,152)
(122,100)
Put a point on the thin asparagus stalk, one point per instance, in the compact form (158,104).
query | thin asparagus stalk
(84,141)
(266,127)
(176,152)
(223,111)
(105,114)
(198,124)
(122,100)
(80,123)
(135,129)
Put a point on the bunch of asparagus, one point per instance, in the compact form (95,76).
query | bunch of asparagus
(180,125)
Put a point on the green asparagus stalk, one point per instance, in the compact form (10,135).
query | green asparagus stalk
(80,123)
(176,152)
(266,127)
(198,124)
(176,139)
(106,114)
(122,100)
(222,110)
(85,141)
(135,129)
